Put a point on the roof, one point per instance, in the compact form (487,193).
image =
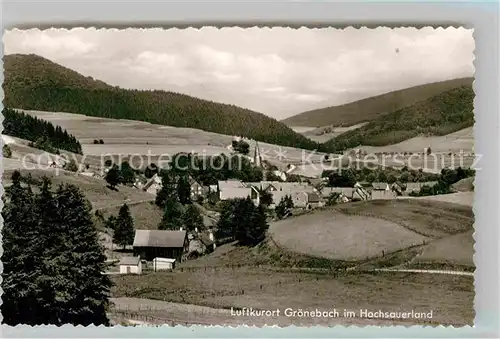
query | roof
(346,191)
(380,185)
(170,260)
(130,261)
(154,179)
(159,238)
(363,184)
(230,184)
(412,186)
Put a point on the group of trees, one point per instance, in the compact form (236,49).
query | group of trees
(284,207)
(241,220)
(41,133)
(52,259)
(349,176)
(98,142)
(33,82)
(174,198)
(241,146)
(123,174)
(447,178)
(208,170)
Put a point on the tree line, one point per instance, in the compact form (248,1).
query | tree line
(52,258)
(43,134)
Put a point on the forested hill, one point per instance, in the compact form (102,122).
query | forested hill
(442,114)
(368,109)
(35,83)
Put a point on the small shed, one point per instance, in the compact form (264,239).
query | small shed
(163,264)
(130,265)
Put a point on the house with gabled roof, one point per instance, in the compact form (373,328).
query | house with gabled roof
(235,189)
(382,191)
(153,185)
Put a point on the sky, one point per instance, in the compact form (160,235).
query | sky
(276,71)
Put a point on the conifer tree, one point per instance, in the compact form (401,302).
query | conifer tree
(256,227)
(87,291)
(225,226)
(242,215)
(184,190)
(124,227)
(113,177)
(172,216)
(192,218)
(19,261)
(168,188)
(127,173)
(53,261)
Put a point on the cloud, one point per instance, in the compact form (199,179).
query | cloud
(278,71)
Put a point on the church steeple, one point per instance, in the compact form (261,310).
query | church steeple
(257,159)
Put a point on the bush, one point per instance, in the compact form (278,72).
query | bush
(71,166)
(6,151)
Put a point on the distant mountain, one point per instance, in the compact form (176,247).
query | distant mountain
(372,108)
(441,114)
(35,83)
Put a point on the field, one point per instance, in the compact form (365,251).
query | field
(433,219)
(459,198)
(455,251)
(146,215)
(462,140)
(325,133)
(338,236)
(451,296)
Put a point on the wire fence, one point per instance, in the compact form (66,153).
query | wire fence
(148,319)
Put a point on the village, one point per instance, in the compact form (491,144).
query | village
(166,249)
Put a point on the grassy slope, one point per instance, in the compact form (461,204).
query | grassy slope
(33,82)
(94,189)
(442,114)
(371,108)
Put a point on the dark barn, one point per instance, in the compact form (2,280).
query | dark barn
(150,244)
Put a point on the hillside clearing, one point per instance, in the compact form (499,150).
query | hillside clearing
(95,190)
(462,140)
(146,215)
(150,140)
(340,237)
